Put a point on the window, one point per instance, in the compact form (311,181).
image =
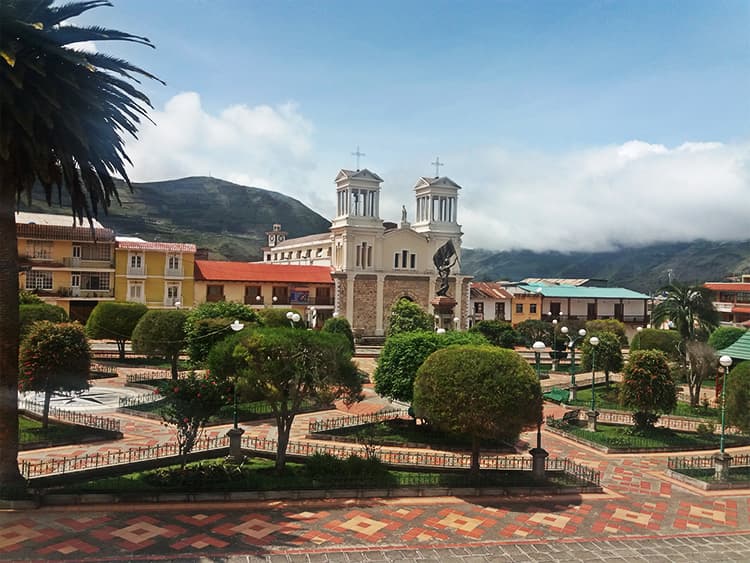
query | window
(281,293)
(479,308)
(173,262)
(173,293)
(95,280)
(38,280)
(136,261)
(135,291)
(75,279)
(404,258)
(369,255)
(395,260)
(532,308)
(97,251)
(500,311)
(76,251)
(519,307)
(214,293)
(39,249)
(413,261)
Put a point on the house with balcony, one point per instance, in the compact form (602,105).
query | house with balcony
(308,289)
(66,263)
(157,274)
(489,301)
(732,300)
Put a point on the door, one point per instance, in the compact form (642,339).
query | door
(591,311)
(619,312)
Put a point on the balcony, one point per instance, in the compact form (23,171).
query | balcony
(321,300)
(133,272)
(84,264)
(257,300)
(174,273)
(78,293)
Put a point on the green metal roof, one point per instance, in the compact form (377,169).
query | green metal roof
(578,292)
(740,349)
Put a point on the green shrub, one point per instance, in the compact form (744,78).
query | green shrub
(407,316)
(725,336)
(276,318)
(667,341)
(29,314)
(339,325)
(498,333)
(208,323)
(608,325)
(647,387)
(738,397)
(532,330)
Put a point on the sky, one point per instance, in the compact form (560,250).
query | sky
(570,125)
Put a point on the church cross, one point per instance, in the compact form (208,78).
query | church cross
(358,154)
(437,164)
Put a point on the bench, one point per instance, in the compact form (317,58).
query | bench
(571,416)
(556,395)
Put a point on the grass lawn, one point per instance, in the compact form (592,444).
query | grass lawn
(151,363)
(607,399)
(30,432)
(321,472)
(736,474)
(401,431)
(616,436)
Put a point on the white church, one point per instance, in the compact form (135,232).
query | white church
(375,263)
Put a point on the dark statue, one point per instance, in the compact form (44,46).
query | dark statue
(444,258)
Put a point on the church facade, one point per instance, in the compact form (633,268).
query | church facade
(375,263)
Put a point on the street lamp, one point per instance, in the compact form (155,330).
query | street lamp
(456,326)
(258,299)
(437,323)
(594,341)
(293,317)
(538,348)
(554,343)
(274,299)
(572,341)
(236,326)
(725,362)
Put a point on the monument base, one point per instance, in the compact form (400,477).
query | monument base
(443,307)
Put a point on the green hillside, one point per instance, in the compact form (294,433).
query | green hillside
(642,269)
(228,219)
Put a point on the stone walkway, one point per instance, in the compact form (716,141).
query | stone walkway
(641,516)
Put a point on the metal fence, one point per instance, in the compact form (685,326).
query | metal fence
(99,371)
(148,375)
(80,418)
(61,466)
(704,462)
(146,398)
(324,425)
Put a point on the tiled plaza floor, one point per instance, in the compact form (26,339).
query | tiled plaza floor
(642,516)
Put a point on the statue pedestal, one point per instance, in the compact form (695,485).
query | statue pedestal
(443,307)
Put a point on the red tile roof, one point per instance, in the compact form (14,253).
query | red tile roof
(214,270)
(727,286)
(491,290)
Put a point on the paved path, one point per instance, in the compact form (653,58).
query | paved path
(642,516)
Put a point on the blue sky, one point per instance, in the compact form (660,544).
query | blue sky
(523,101)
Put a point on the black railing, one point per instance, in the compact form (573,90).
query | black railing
(80,418)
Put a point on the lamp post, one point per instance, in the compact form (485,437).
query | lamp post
(274,299)
(593,414)
(722,459)
(437,323)
(572,341)
(554,343)
(258,299)
(235,433)
(538,454)
(456,326)
(293,318)
(538,348)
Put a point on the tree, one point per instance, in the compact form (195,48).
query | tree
(339,325)
(115,320)
(29,298)
(647,387)
(54,357)
(532,330)
(208,323)
(482,391)
(497,333)
(407,316)
(189,403)
(608,325)
(725,336)
(608,353)
(690,310)
(738,397)
(64,112)
(276,318)
(289,367)
(29,314)
(161,333)
(703,364)
(667,341)
(404,353)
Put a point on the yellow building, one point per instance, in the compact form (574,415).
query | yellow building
(526,305)
(157,274)
(66,264)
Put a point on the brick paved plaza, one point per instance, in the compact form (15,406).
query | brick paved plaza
(641,516)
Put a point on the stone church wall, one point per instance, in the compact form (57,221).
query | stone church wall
(365,303)
(415,288)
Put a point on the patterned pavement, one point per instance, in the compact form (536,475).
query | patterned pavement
(642,516)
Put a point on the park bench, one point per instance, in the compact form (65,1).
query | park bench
(571,416)
(556,395)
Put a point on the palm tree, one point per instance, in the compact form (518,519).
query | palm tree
(63,112)
(691,311)
(689,308)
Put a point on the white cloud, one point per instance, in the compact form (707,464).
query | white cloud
(600,198)
(263,146)
(87,46)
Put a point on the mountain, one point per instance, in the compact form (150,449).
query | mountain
(642,269)
(228,219)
